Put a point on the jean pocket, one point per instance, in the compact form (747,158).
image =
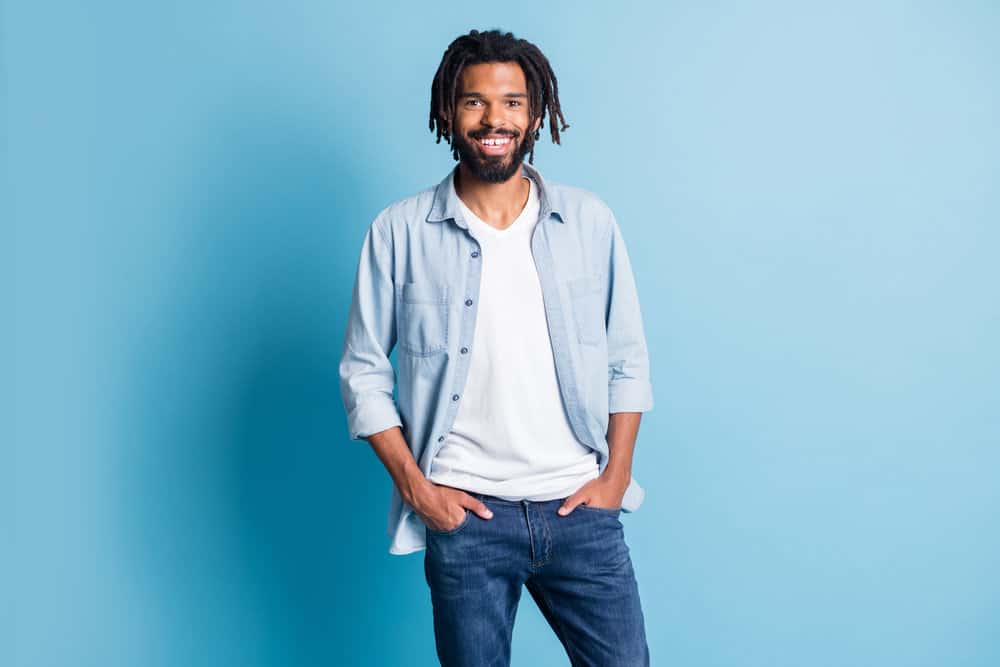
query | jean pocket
(586,296)
(613,511)
(460,526)
(422,323)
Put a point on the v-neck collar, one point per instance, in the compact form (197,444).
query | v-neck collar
(518,221)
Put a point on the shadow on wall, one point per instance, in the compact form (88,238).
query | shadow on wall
(255,524)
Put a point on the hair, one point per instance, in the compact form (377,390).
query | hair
(494,46)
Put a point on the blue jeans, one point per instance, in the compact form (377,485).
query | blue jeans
(576,567)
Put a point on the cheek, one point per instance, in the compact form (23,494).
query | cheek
(465,119)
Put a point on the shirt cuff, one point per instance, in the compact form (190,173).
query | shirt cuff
(630,395)
(372,415)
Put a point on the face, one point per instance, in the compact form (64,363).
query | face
(492,120)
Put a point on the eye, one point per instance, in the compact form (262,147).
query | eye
(473,101)
(515,103)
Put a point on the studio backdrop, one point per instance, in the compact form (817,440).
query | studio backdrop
(809,196)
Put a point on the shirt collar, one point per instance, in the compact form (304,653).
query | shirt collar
(445,205)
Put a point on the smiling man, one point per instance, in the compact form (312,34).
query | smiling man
(522,374)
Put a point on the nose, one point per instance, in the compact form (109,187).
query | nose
(491,117)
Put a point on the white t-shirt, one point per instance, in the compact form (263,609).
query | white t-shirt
(511,437)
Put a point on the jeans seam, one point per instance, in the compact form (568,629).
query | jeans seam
(548,540)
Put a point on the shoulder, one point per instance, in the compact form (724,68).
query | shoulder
(404,212)
(582,207)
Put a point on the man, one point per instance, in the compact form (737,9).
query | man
(522,374)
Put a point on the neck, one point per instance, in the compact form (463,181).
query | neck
(495,203)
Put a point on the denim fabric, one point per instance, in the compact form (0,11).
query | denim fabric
(576,567)
(417,289)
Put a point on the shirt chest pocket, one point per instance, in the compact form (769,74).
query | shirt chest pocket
(587,302)
(422,319)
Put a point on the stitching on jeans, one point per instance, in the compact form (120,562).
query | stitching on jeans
(547,550)
(531,541)
(548,540)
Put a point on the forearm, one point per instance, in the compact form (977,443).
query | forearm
(623,427)
(391,448)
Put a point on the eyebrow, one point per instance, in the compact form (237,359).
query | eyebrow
(473,93)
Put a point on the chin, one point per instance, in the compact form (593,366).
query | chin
(495,171)
(499,174)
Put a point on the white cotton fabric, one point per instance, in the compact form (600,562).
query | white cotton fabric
(511,437)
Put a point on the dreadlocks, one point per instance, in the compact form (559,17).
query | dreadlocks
(493,46)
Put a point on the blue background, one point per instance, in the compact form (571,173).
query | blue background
(809,197)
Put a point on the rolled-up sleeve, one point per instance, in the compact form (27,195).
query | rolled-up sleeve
(629,387)
(367,378)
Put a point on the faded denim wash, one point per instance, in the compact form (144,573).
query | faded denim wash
(577,568)
(417,289)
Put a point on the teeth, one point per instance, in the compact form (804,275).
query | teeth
(495,142)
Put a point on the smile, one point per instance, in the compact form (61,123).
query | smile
(496,145)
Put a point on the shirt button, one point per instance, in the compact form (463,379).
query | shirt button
(464,350)
(475,253)
(468,302)
(440,438)
(454,397)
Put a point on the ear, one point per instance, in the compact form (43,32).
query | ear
(534,128)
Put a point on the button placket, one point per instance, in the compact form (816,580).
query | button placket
(466,329)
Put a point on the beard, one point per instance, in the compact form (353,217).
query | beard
(490,168)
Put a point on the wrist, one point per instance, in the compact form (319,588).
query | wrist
(620,478)
(414,488)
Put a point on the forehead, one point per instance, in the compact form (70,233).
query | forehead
(507,77)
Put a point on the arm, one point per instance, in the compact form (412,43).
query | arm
(623,427)
(367,378)
(629,389)
(391,448)
(608,488)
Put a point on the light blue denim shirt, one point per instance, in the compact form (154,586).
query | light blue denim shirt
(417,289)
